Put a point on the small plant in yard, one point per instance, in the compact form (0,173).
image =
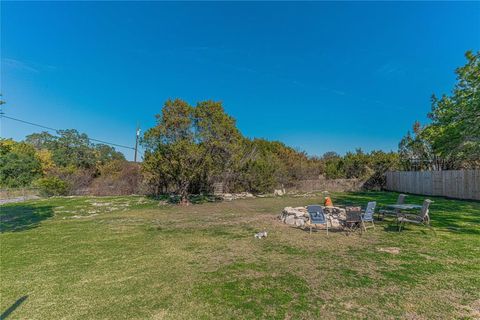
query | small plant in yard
(52,186)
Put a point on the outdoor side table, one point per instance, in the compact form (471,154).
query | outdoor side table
(404,206)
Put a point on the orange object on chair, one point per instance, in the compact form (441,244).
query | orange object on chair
(328,202)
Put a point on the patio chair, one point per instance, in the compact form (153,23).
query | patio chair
(353,219)
(400,200)
(367,215)
(317,217)
(423,218)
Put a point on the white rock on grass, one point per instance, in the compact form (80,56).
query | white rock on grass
(235,196)
(297,212)
(227,196)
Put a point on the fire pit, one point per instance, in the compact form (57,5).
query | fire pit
(299,217)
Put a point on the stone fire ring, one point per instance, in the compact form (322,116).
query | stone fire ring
(299,217)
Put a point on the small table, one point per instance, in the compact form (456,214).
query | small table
(404,206)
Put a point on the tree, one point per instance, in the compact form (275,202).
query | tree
(73,149)
(70,148)
(416,152)
(379,163)
(334,166)
(172,149)
(455,127)
(223,142)
(19,165)
(46,161)
(259,175)
(42,140)
(188,145)
(104,154)
(356,165)
(452,139)
(261,169)
(71,157)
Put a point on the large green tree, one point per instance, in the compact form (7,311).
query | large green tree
(224,144)
(452,138)
(189,145)
(19,165)
(73,149)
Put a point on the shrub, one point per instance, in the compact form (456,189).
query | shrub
(52,186)
(77,179)
(18,164)
(117,178)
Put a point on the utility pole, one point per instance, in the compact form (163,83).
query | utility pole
(136,143)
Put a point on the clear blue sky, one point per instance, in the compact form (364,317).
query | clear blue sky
(317,76)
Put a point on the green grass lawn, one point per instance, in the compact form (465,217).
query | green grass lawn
(133,258)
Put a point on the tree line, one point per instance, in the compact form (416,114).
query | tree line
(188,150)
(67,163)
(191,147)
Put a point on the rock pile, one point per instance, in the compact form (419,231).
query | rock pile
(299,217)
(235,196)
(295,216)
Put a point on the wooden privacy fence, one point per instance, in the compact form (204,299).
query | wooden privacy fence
(460,184)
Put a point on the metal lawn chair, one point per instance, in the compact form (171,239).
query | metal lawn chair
(317,217)
(367,215)
(353,220)
(400,200)
(423,218)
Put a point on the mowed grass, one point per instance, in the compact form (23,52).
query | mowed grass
(138,258)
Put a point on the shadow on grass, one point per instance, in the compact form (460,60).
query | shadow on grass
(320,230)
(456,225)
(12,308)
(23,217)
(390,227)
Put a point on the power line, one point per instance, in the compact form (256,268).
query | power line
(57,130)
(31,123)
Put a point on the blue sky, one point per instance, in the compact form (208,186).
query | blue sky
(318,76)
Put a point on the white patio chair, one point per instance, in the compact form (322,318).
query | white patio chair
(423,218)
(367,215)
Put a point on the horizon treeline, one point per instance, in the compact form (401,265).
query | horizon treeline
(192,147)
(70,164)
